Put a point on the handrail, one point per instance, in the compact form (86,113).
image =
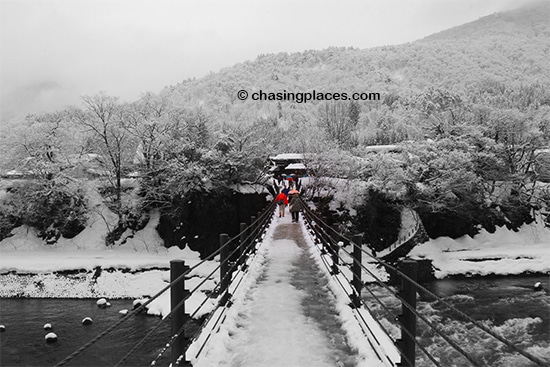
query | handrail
(410,234)
(258,223)
(322,224)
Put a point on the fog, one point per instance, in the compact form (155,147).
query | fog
(55,51)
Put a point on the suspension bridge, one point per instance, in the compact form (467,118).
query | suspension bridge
(330,322)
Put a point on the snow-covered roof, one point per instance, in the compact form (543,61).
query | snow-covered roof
(296,166)
(382,148)
(287,156)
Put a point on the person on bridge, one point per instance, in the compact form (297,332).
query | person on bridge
(285,191)
(281,200)
(295,205)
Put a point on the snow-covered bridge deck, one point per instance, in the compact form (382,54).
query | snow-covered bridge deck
(289,316)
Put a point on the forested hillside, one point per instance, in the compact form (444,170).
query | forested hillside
(468,109)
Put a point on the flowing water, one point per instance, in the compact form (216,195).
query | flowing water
(509,305)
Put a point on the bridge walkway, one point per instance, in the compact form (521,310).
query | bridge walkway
(288,317)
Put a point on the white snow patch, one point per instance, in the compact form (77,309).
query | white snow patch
(504,252)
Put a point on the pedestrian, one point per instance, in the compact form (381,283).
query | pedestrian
(294,206)
(290,181)
(285,191)
(281,200)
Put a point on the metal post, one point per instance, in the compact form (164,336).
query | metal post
(253,228)
(177,294)
(356,268)
(324,238)
(407,317)
(225,276)
(335,250)
(242,246)
(259,228)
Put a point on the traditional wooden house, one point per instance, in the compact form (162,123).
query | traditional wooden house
(288,164)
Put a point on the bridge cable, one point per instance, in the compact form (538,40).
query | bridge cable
(531,357)
(244,254)
(412,309)
(143,305)
(233,267)
(229,274)
(385,308)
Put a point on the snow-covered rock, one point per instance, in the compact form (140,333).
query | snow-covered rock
(51,337)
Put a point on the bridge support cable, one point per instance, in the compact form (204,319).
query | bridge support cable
(247,243)
(226,271)
(169,316)
(401,299)
(478,324)
(268,211)
(219,314)
(357,263)
(419,287)
(340,280)
(406,332)
(111,328)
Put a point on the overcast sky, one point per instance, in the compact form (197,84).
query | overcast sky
(64,49)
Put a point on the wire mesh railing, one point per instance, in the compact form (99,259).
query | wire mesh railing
(332,245)
(234,253)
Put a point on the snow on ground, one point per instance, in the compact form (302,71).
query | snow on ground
(504,252)
(68,268)
(25,252)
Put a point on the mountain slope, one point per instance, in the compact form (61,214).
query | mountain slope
(511,48)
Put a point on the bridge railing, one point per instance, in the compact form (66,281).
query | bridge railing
(403,238)
(234,255)
(348,273)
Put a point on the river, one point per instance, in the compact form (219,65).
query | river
(23,343)
(509,304)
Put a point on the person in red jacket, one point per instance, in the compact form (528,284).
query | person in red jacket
(282,201)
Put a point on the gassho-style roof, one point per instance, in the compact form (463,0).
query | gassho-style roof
(287,157)
(296,166)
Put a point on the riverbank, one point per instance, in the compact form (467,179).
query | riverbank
(138,267)
(504,252)
(83,267)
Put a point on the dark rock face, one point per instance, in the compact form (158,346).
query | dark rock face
(198,222)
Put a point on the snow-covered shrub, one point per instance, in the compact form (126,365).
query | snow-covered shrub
(55,207)
(8,221)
